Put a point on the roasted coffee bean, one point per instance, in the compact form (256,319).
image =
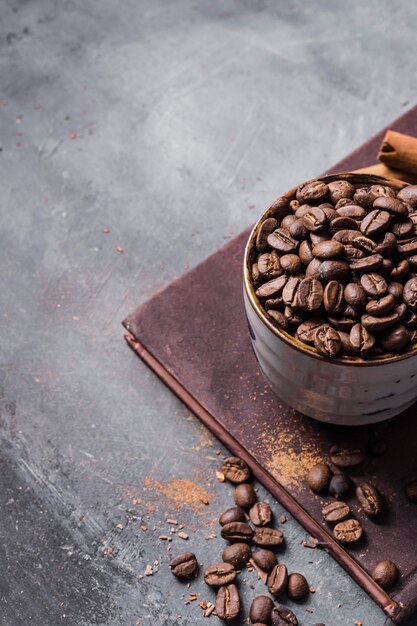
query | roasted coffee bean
(313,269)
(340,486)
(302,210)
(219,574)
(355,295)
(385,574)
(291,264)
(402,229)
(348,531)
(260,514)
(408,195)
(392,205)
(256,276)
(298,231)
(407,249)
(312,191)
(411,491)
(410,293)
(373,284)
(343,202)
(381,306)
(237,532)
(276,304)
(394,339)
(333,297)
(272,287)
(375,223)
(294,204)
(277,580)
(363,197)
(244,496)
(184,565)
(335,270)
(400,271)
(335,512)
(343,324)
(345,236)
(319,237)
(368,264)
(346,345)
(235,470)
(352,211)
(315,219)
(227,603)
(265,536)
(329,249)
(402,311)
(378,191)
(283,616)
(260,610)
(370,499)
(290,291)
(282,241)
(288,220)
(297,586)
(350,312)
(293,316)
(361,339)
(280,208)
(318,477)
(396,289)
(347,454)
(353,254)
(266,228)
(264,559)
(375,324)
(306,330)
(238,554)
(329,211)
(269,265)
(309,294)
(305,252)
(364,243)
(279,319)
(327,341)
(388,246)
(339,189)
(234,514)
(343,223)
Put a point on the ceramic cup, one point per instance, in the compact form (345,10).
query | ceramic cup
(346,390)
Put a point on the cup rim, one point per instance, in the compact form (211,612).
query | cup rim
(293,342)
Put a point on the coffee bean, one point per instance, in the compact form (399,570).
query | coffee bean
(298,231)
(411,491)
(256,276)
(265,536)
(333,297)
(339,189)
(388,246)
(402,229)
(350,312)
(280,208)
(335,270)
(364,243)
(361,339)
(260,610)
(277,580)
(238,554)
(328,210)
(345,236)
(370,499)
(290,291)
(269,265)
(293,316)
(340,486)
(352,211)
(392,205)
(313,269)
(343,223)
(382,306)
(288,220)
(260,514)
(402,312)
(396,289)
(377,191)
(227,603)
(412,261)
(329,249)
(297,587)
(335,512)
(375,223)
(315,219)
(347,455)
(272,287)
(400,271)
(283,616)
(306,330)
(408,249)
(346,345)
(319,477)
(264,559)
(319,237)
(373,284)
(343,324)
(385,574)
(235,470)
(363,197)
(305,252)
(327,341)
(394,339)
(410,294)
(244,496)
(291,264)
(219,574)
(408,195)
(355,295)
(302,210)
(295,205)
(282,241)
(275,304)
(348,531)
(368,264)
(279,319)
(309,294)
(184,565)
(375,324)
(236,532)
(234,514)
(266,228)
(312,191)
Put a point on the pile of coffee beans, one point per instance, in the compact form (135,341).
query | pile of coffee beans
(335,266)
(246,524)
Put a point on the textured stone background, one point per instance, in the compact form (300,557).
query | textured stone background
(171,123)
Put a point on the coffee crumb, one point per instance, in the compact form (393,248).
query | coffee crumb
(164,537)
(182,535)
(171,521)
(282,519)
(220,476)
(358,623)
(192,597)
(105,231)
(148,570)
(120,249)
(312,589)
(209,610)
(204,501)
(144,528)
(309,610)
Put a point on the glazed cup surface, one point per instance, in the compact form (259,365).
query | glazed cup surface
(345,391)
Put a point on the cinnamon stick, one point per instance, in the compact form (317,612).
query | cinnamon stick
(380,169)
(399,151)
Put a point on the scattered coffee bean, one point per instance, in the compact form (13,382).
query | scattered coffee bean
(265,536)
(227,603)
(238,554)
(283,616)
(219,574)
(335,512)
(411,491)
(385,573)
(264,559)
(340,486)
(260,514)
(348,531)
(277,580)
(234,514)
(319,477)
(244,497)
(370,499)
(184,565)
(297,586)
(347,455)
(235,470)
(260,610)
(236,532)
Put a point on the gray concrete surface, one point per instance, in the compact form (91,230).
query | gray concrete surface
(171,123)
